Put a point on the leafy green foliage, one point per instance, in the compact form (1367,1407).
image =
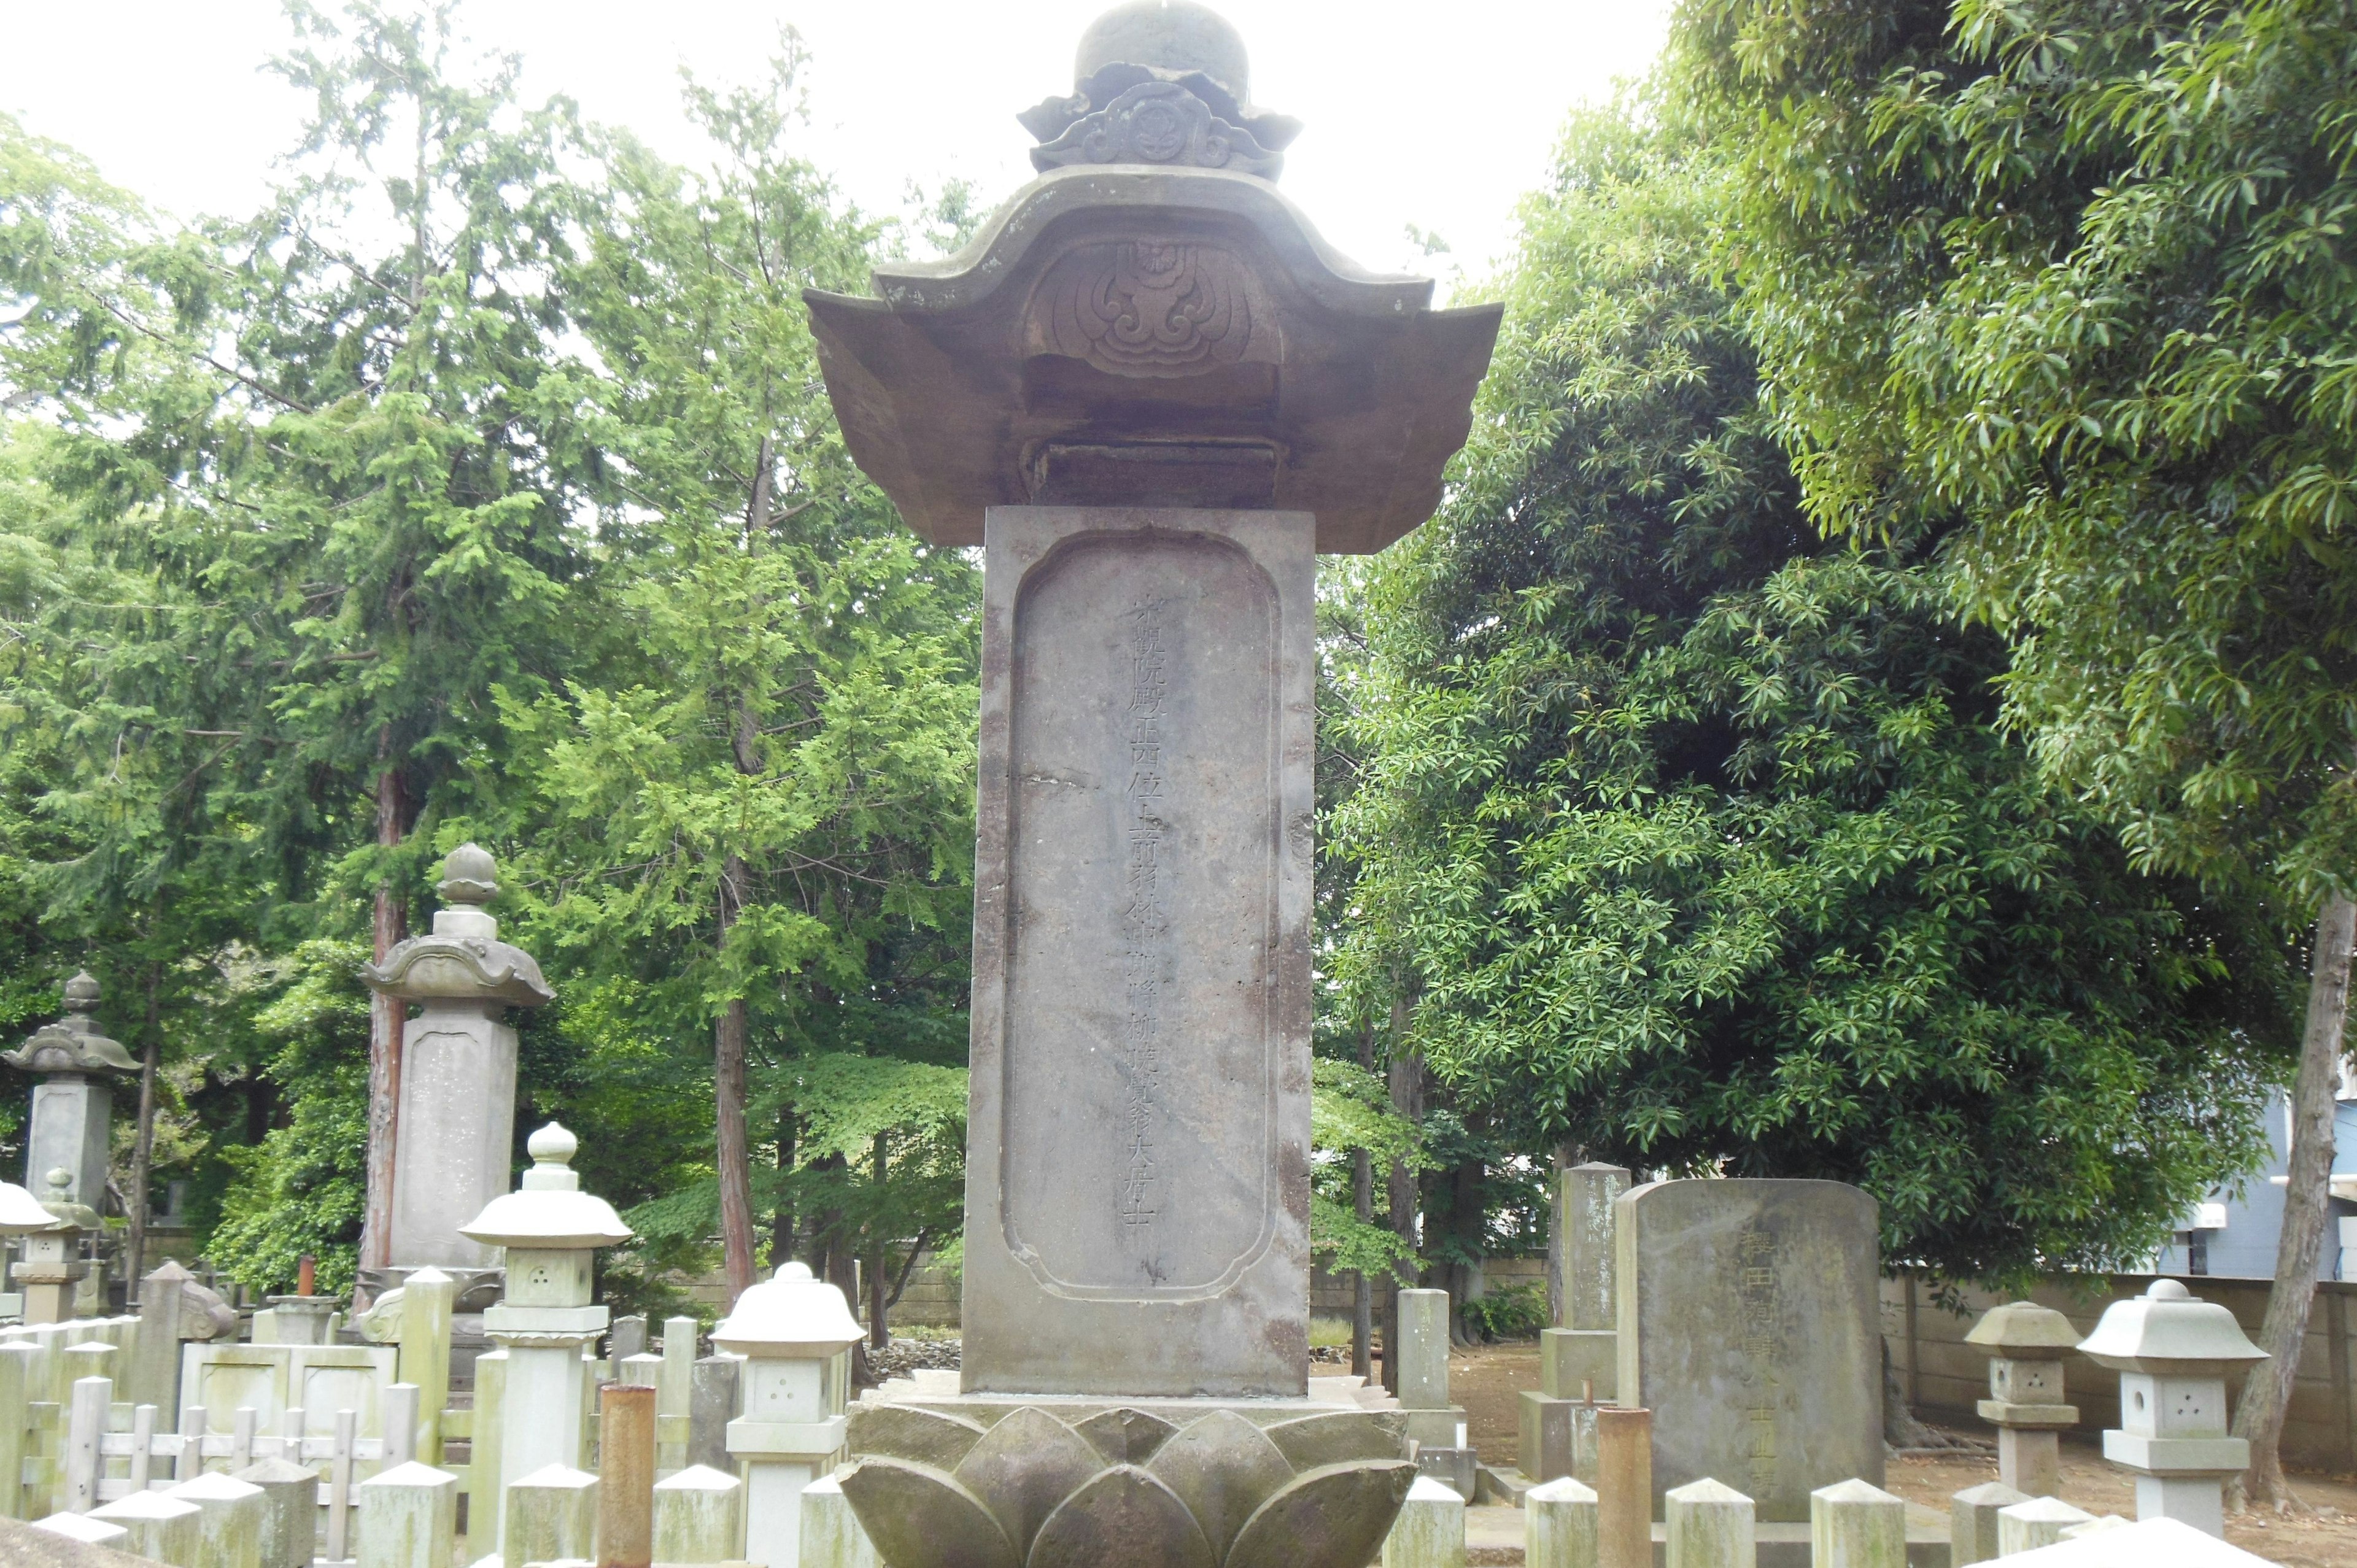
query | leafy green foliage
(1699,837)
(1349,1110)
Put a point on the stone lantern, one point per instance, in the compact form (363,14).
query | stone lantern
(2026,1343)
(53,1270)
(453,1127)
(550,1229)
(2173,1353)
(73,1109)
(789,1330)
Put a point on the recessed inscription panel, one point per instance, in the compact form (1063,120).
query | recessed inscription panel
(1142,1031)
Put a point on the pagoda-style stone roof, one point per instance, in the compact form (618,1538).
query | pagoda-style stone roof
(463,958)
(1153,334)
(72,1043)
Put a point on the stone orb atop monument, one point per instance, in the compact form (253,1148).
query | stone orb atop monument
(1174,36)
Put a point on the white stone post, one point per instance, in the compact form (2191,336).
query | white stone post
(18,1375)
(458,1064)
(409,1518)
(2026,1344)
(485,1489)
(832,1534)
(1559,1525)
(791,1428)
(73,1110)
(1432,1420)
(230,1522)
(427,1298)
(1430,1529)
(545,1323)
(2173,1353)
(290,1511)
(160,1528)
(1854,1525)
(550,1514)
(1972,1521)
(1708,1525)
(700,1517)
(87,1530)
(2039,1522)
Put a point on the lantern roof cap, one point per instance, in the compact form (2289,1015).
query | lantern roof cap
(2169,1331)
(788,1314)
(548,1210)
(21,1214)
(2025,1330)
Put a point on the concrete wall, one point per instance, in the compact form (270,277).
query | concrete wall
(1944,1376)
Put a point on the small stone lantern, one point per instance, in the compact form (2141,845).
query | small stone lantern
(2026,1343)
(2173,1353)
(550,1229)
(53,1269)
(789,1328)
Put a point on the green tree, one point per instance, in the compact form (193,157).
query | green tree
(2066,285)
(1697,835)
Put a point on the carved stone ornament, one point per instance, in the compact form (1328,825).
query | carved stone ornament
(72,1043)
(459,968)
(1152,309)
(1158,122)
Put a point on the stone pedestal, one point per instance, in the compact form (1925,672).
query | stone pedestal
(1141,998)
(1580,1357)
(456,1124)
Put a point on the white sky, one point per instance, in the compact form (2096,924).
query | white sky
(1436,115)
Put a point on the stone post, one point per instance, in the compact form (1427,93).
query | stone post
(87,1530)
(711,1406)
(2026,1343)
(2173,1353)
(1432,1421)
(303,1319)
(788,1328)
(409,1518)
(626,1476)
(1579,1356)
(1430,1529)
(1709,1526)
(1559,1525)
(2039,1521)
(457,1116)
(626,1338)
(486,1487)
(158,1526)
(1972,1521)
(71,1127)
(699,1518)
(550,1514)
(676,1389)
(427,1297)
(229,1532)
(16,1390)
(153,1375)
(53,1269)
(1855,1525)
(1624,1488)
(290,1511)
(832,1534)
(546,1322)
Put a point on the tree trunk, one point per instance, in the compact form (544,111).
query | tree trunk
(386,1016)
(2266,1392)
(1406,1084)
(879,1333)
(735,1165)
(143,1142)
(1362,1199)
(781,1223)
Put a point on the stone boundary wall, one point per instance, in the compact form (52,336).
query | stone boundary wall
(1944,1376)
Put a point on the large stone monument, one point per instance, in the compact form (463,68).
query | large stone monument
(1748,1328)
(72,1122)
(1153,394)
(454,1132)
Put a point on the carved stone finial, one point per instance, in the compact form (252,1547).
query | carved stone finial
(81,993)
(72,1043)
(1160,82)
(469,875)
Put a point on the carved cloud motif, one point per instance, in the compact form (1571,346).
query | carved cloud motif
(1150,308)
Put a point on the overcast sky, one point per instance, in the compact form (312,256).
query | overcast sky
(1436,115)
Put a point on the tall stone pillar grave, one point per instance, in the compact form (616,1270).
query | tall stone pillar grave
(455,1124)
(1749,1327)
(73,1122)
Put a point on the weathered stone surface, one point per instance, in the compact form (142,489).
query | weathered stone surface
(1310,1442)
(1222,1467)
(699,1515)
(1430,1529)
(1333,1517)
(1124,1515)
(1547,1435)
(913,1433)
(1748,1328)
(64,1540)
(1126,1436)
(1579,1363)
(1584,1217)
(1021,1469)
(2037,1521)
(1853,1524)
(551,1513)
(1559,1525)
(290,1518)
(1424,1349)
(1624,1488)
(1141,1001)
(409,1518)
(915,1513)
(1709,1526)
(157,1527)
(228,1533)
(832,1536)
(711,1405)
(1972,1521)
